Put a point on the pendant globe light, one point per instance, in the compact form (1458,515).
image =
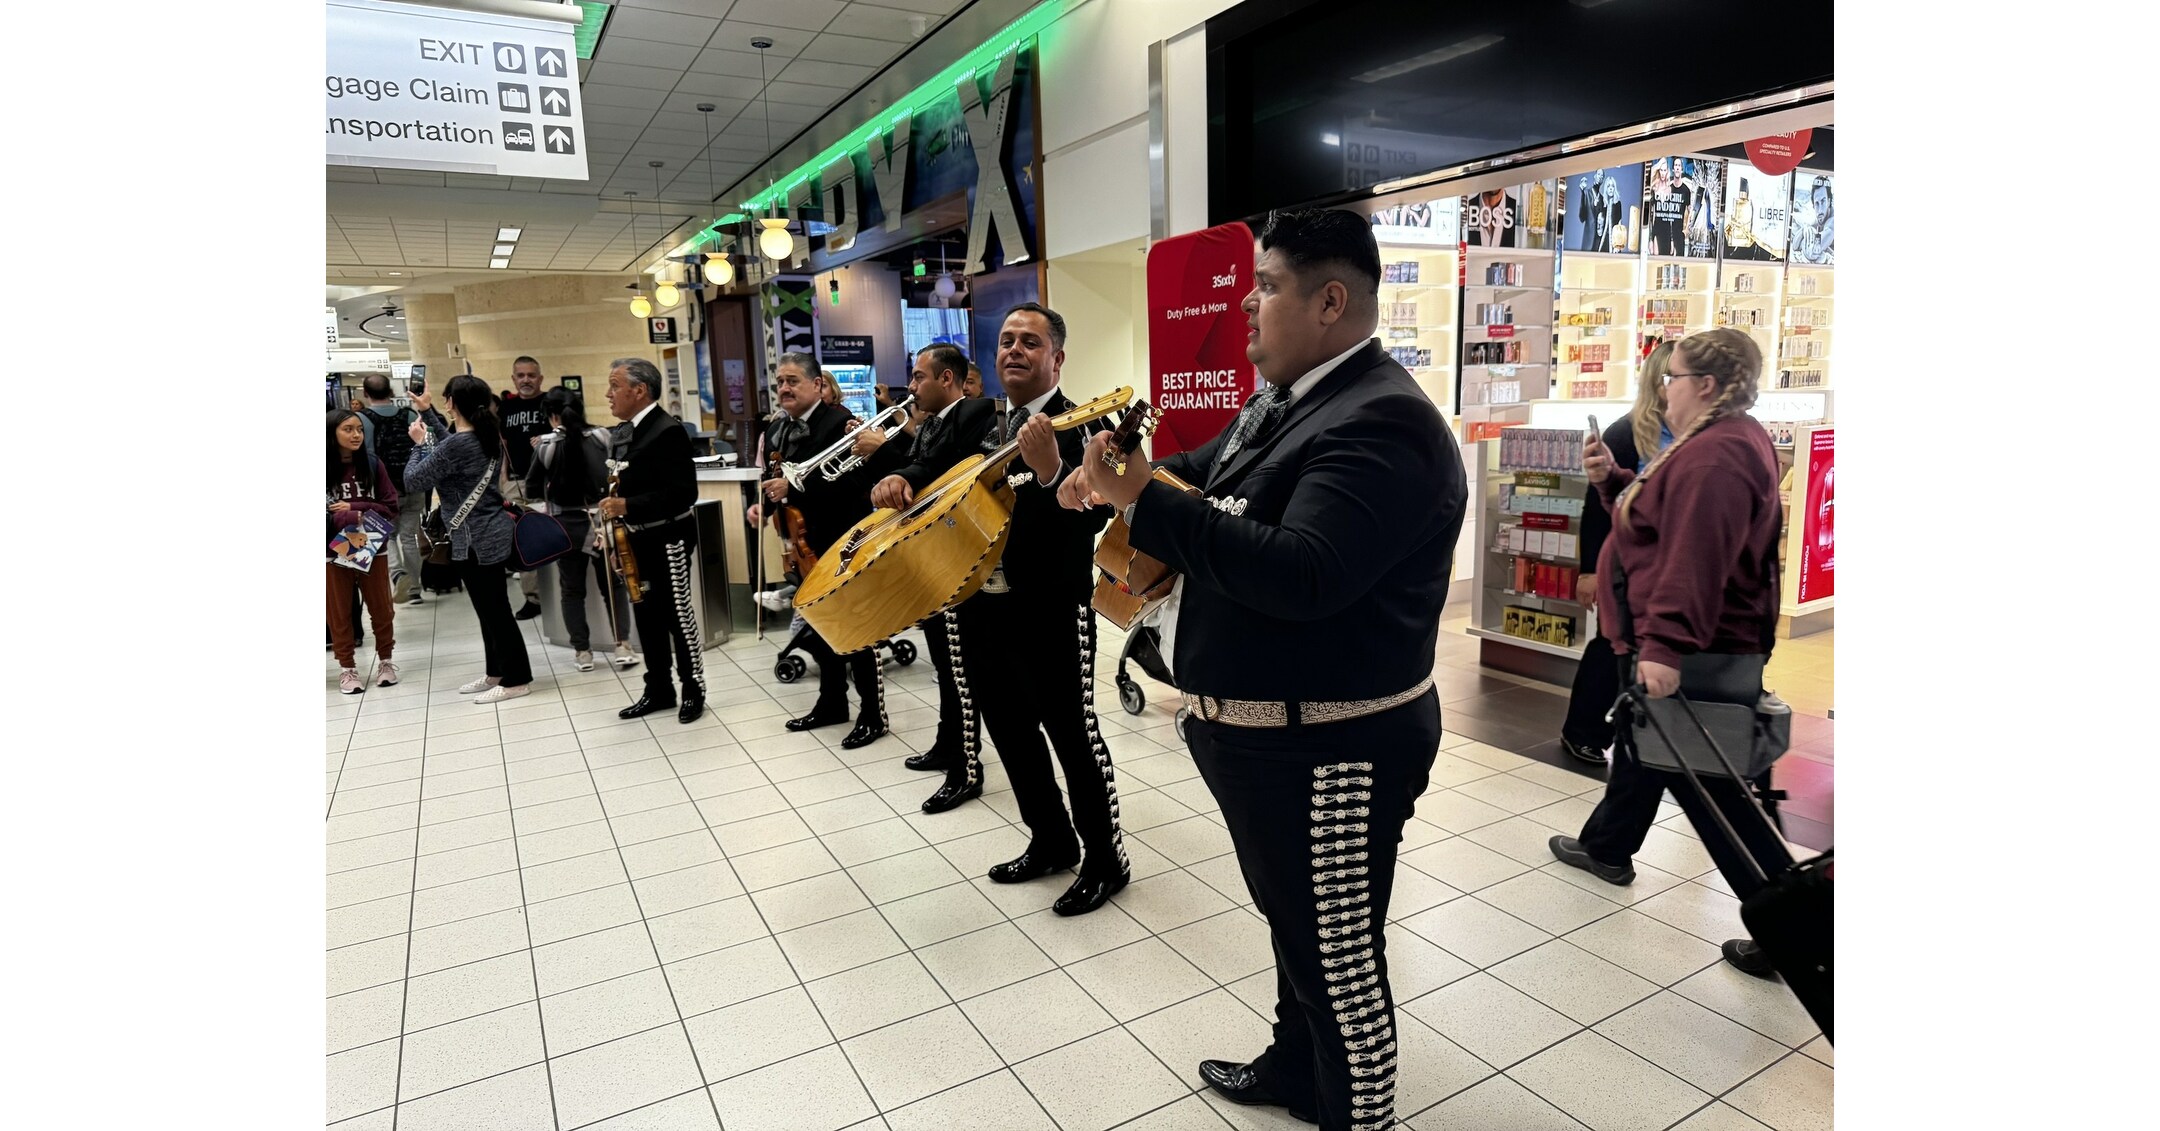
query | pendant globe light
(640,307)
(667,293)
(718,271)
(774,241)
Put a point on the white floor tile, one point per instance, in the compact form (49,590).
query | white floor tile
(1645,947)
(1214,1026)
(1071,939)
(755,1033)
(804,902)
(1796,1094)
(873,996)
(1497,1023)
(1475,932)
(1171,900)
(722,978)
(1693,1043)
(816,1092)
(463,1051)
(597,1014)
(1606,1086)
(1493,1104)
(1708,915)
(1068,1082)
(996,1102)
(915,1058)
(362,1080)
(619,1076)
(981,961)
(1718,1117)
(840,944)
(691,1111)
(468,991)
(513,1101)
(1227,946)
(1139,978)
(1573,981)
(1548,903)
(1463,864)
(364,965)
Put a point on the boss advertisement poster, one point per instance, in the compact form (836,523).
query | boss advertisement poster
(1604,211)
(1814,226)
(1513,216)
(1682,197)
(1199,376)
(1757,213)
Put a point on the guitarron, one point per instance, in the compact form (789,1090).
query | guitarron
(1130,584)
(896,567)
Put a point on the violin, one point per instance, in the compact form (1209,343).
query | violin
(795,551)
(620,557)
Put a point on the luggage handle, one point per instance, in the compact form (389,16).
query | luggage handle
(1640,695)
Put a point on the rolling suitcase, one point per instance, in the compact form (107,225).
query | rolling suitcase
(1792,916)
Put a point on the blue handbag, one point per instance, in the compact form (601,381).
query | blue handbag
(538,539)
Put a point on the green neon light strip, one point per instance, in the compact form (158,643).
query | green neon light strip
(588,32)
(1011,38)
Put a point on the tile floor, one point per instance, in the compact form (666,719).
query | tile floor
(542,917)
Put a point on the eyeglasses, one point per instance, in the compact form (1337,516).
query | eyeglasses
(1670,376)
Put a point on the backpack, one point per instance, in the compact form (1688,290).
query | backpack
(393,445)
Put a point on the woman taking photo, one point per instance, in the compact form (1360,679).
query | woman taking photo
(1634,440)
(464,470)
(357,483)
(569,473)
(1696,536)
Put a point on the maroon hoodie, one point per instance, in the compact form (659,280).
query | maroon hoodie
(1695,545)
(379,497)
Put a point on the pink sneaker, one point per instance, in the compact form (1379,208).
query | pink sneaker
(385,674)
(349,682)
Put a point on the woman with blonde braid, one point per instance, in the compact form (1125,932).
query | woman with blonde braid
(1695,535)
(1633,441)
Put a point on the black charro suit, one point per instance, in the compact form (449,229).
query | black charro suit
(1031,650)
(659,488)
(931,452)
(1315,568)
(829,509)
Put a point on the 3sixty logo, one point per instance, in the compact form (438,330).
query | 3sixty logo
(1225,280)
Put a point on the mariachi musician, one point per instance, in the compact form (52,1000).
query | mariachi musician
(810,424)
(1029,634)
(952,428)
(1327,518)
(658,491)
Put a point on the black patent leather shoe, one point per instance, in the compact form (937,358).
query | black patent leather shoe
(816,719)
(863,735)
(931,759)
(1088,893)
(1240,1084)
(1029,866)
(950,795)
(647,704)
(692,707)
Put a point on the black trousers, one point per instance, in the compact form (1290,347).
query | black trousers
(570,572)
(834,671)
(1032,664)
(485,586)
(1316,814)
(1597,685)
(1617,827)
(959,727)
(666,621)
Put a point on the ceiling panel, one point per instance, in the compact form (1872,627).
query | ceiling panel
(601,95)
(616,115)
(809,15)
(833,47)
(726,61)
(805,94)
(716,87)
(645,53)
(735,35)
(929,7)
(624,74)
(844,75)
(876,22)
(660,27)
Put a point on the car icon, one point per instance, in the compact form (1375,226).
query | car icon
(522,137)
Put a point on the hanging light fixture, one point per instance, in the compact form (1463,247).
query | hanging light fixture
(774,241)
(718,271)
(944,286)
(640,306)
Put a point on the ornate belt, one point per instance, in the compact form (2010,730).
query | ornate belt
(1252,713)
(643,526)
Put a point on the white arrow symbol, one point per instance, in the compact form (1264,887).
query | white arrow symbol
(551,62)
(558,138)
(554,100)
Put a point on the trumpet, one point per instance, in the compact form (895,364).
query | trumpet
(836,461)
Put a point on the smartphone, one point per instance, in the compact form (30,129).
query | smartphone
(1594,429)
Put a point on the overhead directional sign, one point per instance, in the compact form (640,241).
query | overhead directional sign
(412,87)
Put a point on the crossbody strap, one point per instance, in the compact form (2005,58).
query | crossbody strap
(479,489)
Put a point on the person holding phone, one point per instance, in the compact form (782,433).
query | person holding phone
(1633,440)
(1695,534)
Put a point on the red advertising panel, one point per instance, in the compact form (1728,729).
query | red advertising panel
(1198,374)
(1779,154)
(1818,550)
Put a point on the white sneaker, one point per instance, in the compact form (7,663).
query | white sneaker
(624,657)
(777,600)
(479,685)
(350,683)
(498,693)
(584,661)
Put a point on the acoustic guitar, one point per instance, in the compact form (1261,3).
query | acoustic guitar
(1130,584)
(896,567)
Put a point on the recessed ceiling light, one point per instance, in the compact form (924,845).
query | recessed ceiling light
(397,272)
(498,264)
(509,233)
(504,248)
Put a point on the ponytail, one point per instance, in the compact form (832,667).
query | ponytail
(570,474)
(475,404)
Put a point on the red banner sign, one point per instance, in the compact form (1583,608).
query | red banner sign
(1198,373)
(1779,154)
(1593,367)
(1500,331)
(1534,520)
(1818,549)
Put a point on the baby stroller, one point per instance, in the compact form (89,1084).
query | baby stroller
(1143,645)
(790,667)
